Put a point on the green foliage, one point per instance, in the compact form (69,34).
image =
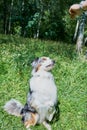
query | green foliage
(69,25)
(45,19)
(17,30)
(70,73)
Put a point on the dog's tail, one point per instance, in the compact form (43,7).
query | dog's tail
(13,107)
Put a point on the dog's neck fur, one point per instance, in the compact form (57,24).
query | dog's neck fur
(42,73)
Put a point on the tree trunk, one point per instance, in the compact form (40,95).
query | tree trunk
(22,21)
(5,16)
(38,28)
(9,26)
(41,10)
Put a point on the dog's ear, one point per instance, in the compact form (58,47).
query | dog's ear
(35,62)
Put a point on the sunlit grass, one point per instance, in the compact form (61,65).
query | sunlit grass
(70,73)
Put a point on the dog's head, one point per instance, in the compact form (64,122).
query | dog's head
(43,63)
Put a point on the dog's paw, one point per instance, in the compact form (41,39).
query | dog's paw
(47,125)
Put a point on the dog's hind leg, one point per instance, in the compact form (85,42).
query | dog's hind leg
(47,125)
(50,114)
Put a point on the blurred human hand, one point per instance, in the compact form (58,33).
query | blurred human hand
(74,10)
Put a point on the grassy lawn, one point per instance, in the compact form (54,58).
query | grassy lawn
(70,73)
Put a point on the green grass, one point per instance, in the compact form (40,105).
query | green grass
(70,73)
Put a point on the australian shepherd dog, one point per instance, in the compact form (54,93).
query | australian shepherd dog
(41,98)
